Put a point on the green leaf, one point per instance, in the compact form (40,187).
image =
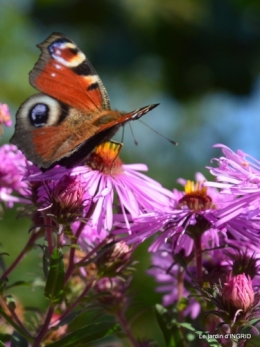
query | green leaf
(19,283)
(254,321)
(87,334)
(2,344)
(54,288)
(163,321)
(18,341)
(70,317)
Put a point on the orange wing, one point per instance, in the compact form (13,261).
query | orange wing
(65,73)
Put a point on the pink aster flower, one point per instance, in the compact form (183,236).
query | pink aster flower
(112,187)
(12,168)
(187,218)
(238,175)
(92,198)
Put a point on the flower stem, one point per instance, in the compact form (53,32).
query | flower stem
(14,320)
(126,327)
(44,328)
(198,254)
(48,233)
(180,286)
(71,264)
(74,304)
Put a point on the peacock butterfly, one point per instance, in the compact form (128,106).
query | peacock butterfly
(72,115)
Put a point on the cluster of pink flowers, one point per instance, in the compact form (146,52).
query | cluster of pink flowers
(106,197)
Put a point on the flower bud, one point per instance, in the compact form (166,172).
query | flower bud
(113,259)
(64,201)
(238,294)
(112,293)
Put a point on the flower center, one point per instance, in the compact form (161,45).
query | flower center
(105,158)
(196,197)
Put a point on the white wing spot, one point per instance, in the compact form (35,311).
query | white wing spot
(57,66)
(53,74)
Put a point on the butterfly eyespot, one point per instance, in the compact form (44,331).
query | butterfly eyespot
(66,53)
(39,115)
(59,43)
(41,110)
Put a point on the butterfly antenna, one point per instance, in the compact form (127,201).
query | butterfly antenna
(131,129)
(123,133)
(156,132)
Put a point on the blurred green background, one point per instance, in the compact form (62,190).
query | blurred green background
(200,59)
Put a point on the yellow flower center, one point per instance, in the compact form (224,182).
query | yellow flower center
(105,158)
(196,197)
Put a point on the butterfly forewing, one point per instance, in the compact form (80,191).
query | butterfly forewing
(124,118)
(64,73)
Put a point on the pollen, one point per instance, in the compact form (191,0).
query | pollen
(196,197)
(105,158)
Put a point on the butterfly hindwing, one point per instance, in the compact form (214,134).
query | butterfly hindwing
(47,130)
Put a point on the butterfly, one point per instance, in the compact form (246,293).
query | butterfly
(71,115)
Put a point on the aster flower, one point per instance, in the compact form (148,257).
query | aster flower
(238,175)
(186,220)
(12,168)
(110,186)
